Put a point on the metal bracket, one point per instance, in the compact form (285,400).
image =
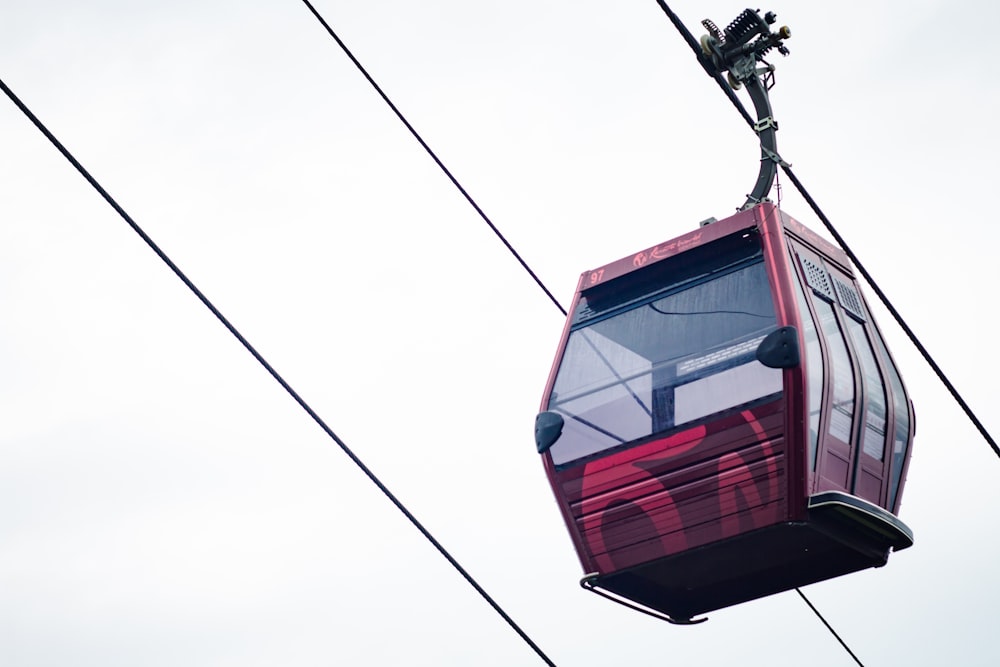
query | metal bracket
(765,123)
(751,202)
(590,583)
(736,51)
(774,157)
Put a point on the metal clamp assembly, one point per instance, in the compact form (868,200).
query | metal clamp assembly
(736,51)
(765,124)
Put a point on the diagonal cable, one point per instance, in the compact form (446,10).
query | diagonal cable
(689,38)
(895,314)
(437,160)
(727,89)
(829,627)
(465,194)
(270,369)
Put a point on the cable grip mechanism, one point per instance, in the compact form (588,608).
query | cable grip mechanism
(736,51)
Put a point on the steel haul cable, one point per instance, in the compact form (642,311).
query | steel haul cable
(448,173)
(727,89)
(433,155)
(271,371)
(278,377)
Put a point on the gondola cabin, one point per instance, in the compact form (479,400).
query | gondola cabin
(723,420)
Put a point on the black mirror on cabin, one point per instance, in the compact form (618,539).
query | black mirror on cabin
(548,428)
(780,348)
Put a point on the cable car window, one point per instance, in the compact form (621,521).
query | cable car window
(901,417)
(842,414)
(644,364)
(873,439)
(814,371)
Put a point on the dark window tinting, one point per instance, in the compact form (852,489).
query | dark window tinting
(814,371)
(665,346)
(873,437)
(901,413)
(842,415)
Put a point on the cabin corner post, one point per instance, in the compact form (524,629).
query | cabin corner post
(781,273)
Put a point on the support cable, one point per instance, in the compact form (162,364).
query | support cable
(448,173)
(715,74)
(895,314)
(271,371)
(787,168)
(437,160)
(829,627)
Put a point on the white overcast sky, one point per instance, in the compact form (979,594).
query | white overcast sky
(163,502)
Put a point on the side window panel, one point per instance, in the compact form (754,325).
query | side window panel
(814,371)
(901,432)
(873,440)
(664,347)
(842,413)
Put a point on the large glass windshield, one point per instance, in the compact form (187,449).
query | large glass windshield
(666,346)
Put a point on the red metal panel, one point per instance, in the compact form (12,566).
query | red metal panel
(772,224)
(718,513)
(692,488)
(657,253)
(817,242)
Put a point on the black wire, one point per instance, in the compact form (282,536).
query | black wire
(471,201)
(308,409)
(270,369)
(689,38)
(727,89)
(694,45)
(710,312)
(895,315)
(829,627)
(433,155)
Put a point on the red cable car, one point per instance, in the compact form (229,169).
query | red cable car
(723,420)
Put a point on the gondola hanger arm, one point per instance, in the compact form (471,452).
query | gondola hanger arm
(737,51)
